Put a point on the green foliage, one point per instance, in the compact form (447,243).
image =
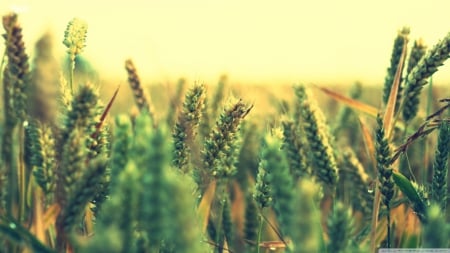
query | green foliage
(81,194)
(120,147)
(306,231)
(436,231)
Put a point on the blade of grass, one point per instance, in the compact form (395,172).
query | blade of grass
(50,215)
(108,108)
(429,108)
(369,144)
(21,235)
(38,211)
(408,189)
(368,109)
(430,124)
(389,119)
(370,147)
(21,175)
(89,220)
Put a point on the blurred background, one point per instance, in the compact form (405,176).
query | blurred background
(253,42)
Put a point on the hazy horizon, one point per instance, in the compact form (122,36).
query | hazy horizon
(252,41)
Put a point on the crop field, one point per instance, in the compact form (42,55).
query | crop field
(195,167)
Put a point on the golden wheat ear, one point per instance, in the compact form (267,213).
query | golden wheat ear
(141,98)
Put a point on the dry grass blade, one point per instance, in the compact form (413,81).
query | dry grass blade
(107,109)
(388,119)
(205,205)
(388,124)
(50,215)
(381,231)
(273,245)
(368,141)
(368,109)
(38,224)
(224,248)
(99,125)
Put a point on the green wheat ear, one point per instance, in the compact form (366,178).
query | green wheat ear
(385,177)
(152,155)
(281,181)
(417,52)
(400,40)
(18,67)
(340,228)
(181,210)
(222,138)
(306,225)
(44,82)
(121,146)
(436,231)
(251,218)
(140,97)
(440,167)
(82,112)
(295,150)
(115,220)
(316,131)
(42,153)
(418,76)
(354,172)
(185,129)
(72,165)
(75,41)
(82,192)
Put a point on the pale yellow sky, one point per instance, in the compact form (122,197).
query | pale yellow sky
(252,41)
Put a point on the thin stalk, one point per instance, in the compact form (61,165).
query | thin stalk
(219,234)
(71,70)
(274,229)
(38,221)
(51,235)
(2,64)
(261,222)
(388,216)
(376,210)
(429,108)
(21,175)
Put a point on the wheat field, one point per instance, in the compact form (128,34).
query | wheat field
(88,165)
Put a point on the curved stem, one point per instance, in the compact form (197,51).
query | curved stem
(71,70)
(388,227)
